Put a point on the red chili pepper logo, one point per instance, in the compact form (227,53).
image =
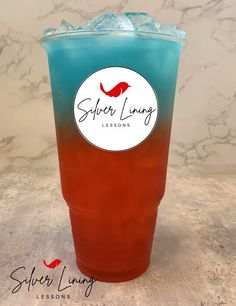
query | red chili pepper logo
(53,264)
(116,91)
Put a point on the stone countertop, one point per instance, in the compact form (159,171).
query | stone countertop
(193,257)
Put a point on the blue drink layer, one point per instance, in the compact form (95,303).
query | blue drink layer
(72,60)
(132,40)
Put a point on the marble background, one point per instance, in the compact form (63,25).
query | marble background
(193,259)
(204,127)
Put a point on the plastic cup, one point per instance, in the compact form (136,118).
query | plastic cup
(113,168)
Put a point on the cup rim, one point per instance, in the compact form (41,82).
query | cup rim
(109,33)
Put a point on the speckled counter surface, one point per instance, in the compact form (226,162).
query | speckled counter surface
(193,258)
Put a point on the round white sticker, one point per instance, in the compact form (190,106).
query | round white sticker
(115,109)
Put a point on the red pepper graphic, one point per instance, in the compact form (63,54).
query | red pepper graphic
(53,264)
(119,89)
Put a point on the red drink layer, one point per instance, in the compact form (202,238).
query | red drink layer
(116,192)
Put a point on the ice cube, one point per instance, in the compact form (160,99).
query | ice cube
(138,18)
(108,21)
(157,25)
(124,23)
(96,22)
(143,22)
(170,29)
(181,34)
(146,27)
(64,27)
(166,29)
(48,31)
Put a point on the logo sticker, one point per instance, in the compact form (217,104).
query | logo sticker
(115,109)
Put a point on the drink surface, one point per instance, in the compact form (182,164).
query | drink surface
(113,195)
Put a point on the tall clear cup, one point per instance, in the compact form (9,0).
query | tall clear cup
(113,96)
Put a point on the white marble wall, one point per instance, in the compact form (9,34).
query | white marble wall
(204,128)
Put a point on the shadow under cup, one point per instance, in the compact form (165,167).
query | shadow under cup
(113,197)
